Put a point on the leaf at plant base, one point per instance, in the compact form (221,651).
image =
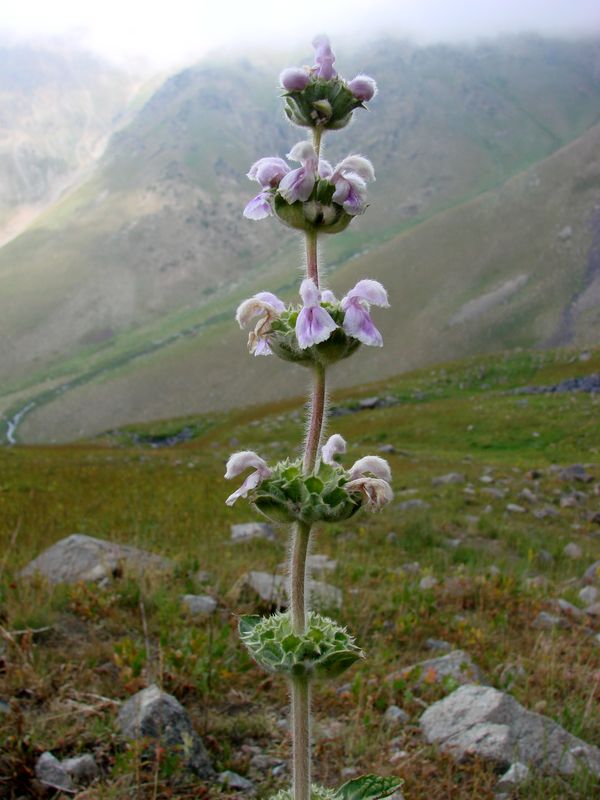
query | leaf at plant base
(368,787)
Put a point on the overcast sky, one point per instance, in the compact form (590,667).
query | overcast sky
(176,31)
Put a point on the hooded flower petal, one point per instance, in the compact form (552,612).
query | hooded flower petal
(327,296)
(238,463)
(324,58)
(294,79)
(377,492)
(357,320)
(333,447)
(268,171)
(358,165)
(363,88)
(314,323)
(262,303)
(259,207)
(350,179)
(374,464)
(299,183)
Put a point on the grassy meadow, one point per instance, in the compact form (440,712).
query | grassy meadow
(70,654)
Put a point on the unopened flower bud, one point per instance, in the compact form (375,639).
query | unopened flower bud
(363,88)
(294,79)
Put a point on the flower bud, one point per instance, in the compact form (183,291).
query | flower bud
(363,88)
(294,79)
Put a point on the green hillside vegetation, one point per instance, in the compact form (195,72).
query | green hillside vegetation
(70,654)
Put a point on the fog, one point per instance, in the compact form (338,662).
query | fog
(180,30)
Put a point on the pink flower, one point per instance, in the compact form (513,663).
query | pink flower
(299,183)
(333,447)
(294,79)
(259,207)
(363,88)
(314,324)
(350,179)
(240,462)
(376,490)
(356,305)
(324,58)
(262,303)
(268,172)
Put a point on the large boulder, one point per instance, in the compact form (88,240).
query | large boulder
(482,721)
(457,666)
(84,558)
(154,714)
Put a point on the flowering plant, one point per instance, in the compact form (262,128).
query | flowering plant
(315,198)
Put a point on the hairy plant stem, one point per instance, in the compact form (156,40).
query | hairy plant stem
(312,268)
(316,419)
(301,742)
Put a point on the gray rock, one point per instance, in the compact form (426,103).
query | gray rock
(592,574)
(450,478)
(589,595)
(568,608)
(547,622)
(484,722)
(369,402)
(83,769)
(273,589)
(528,496)
(565,233)
(246,531)
(50,772)
(264,762)
(231,780)
(572,550)
(491,491)
(387,448)
(155,714)
(573,500)
(576,472)
(394,715)
(199,605)
(318,562)
(516,774)
(457,665)
(438,644)
(546,511)
(392,537)
(411,567)
(84,558)
(427,582)
(513,508)
(413,505)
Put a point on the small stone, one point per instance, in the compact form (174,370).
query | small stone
(576,472)
(568,608)
(392,537)
(592,573)
(516,774)
(573,500)
(548,622)
(50,772)
(588,595)
(565,233)
(413,567)
(528,496)
(231,780)
(413,505)
(199,605)
(368,402)
(387,448)
(486,479)
(593,610)
(264,762)
(394,715)
(83,769)
(457,665)
(572,550)
(202,576)
(247,531)
(450,478)
(546,511)
(494,571)
(427,582)
(317,562)
(438,644)
(492,491)
(545,557)
(453,543)
(594,517)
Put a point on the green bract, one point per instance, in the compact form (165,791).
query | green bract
(314,215)
(322,104)
(324,650)
(367,787)
(290,496)
(284,344)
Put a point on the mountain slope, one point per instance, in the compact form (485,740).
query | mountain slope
(500,270)
(158,231)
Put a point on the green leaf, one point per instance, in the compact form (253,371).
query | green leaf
(368,787)
(336,663)
(247,623)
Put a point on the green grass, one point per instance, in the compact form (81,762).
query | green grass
(170,500)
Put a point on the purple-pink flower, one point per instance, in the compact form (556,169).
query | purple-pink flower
(268,172)
(363,88)
(356,305)
(350,179)
(294,79)
(299,183)
(371,476)
(240,462)
(263,303)
(324,58)
(314,324)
